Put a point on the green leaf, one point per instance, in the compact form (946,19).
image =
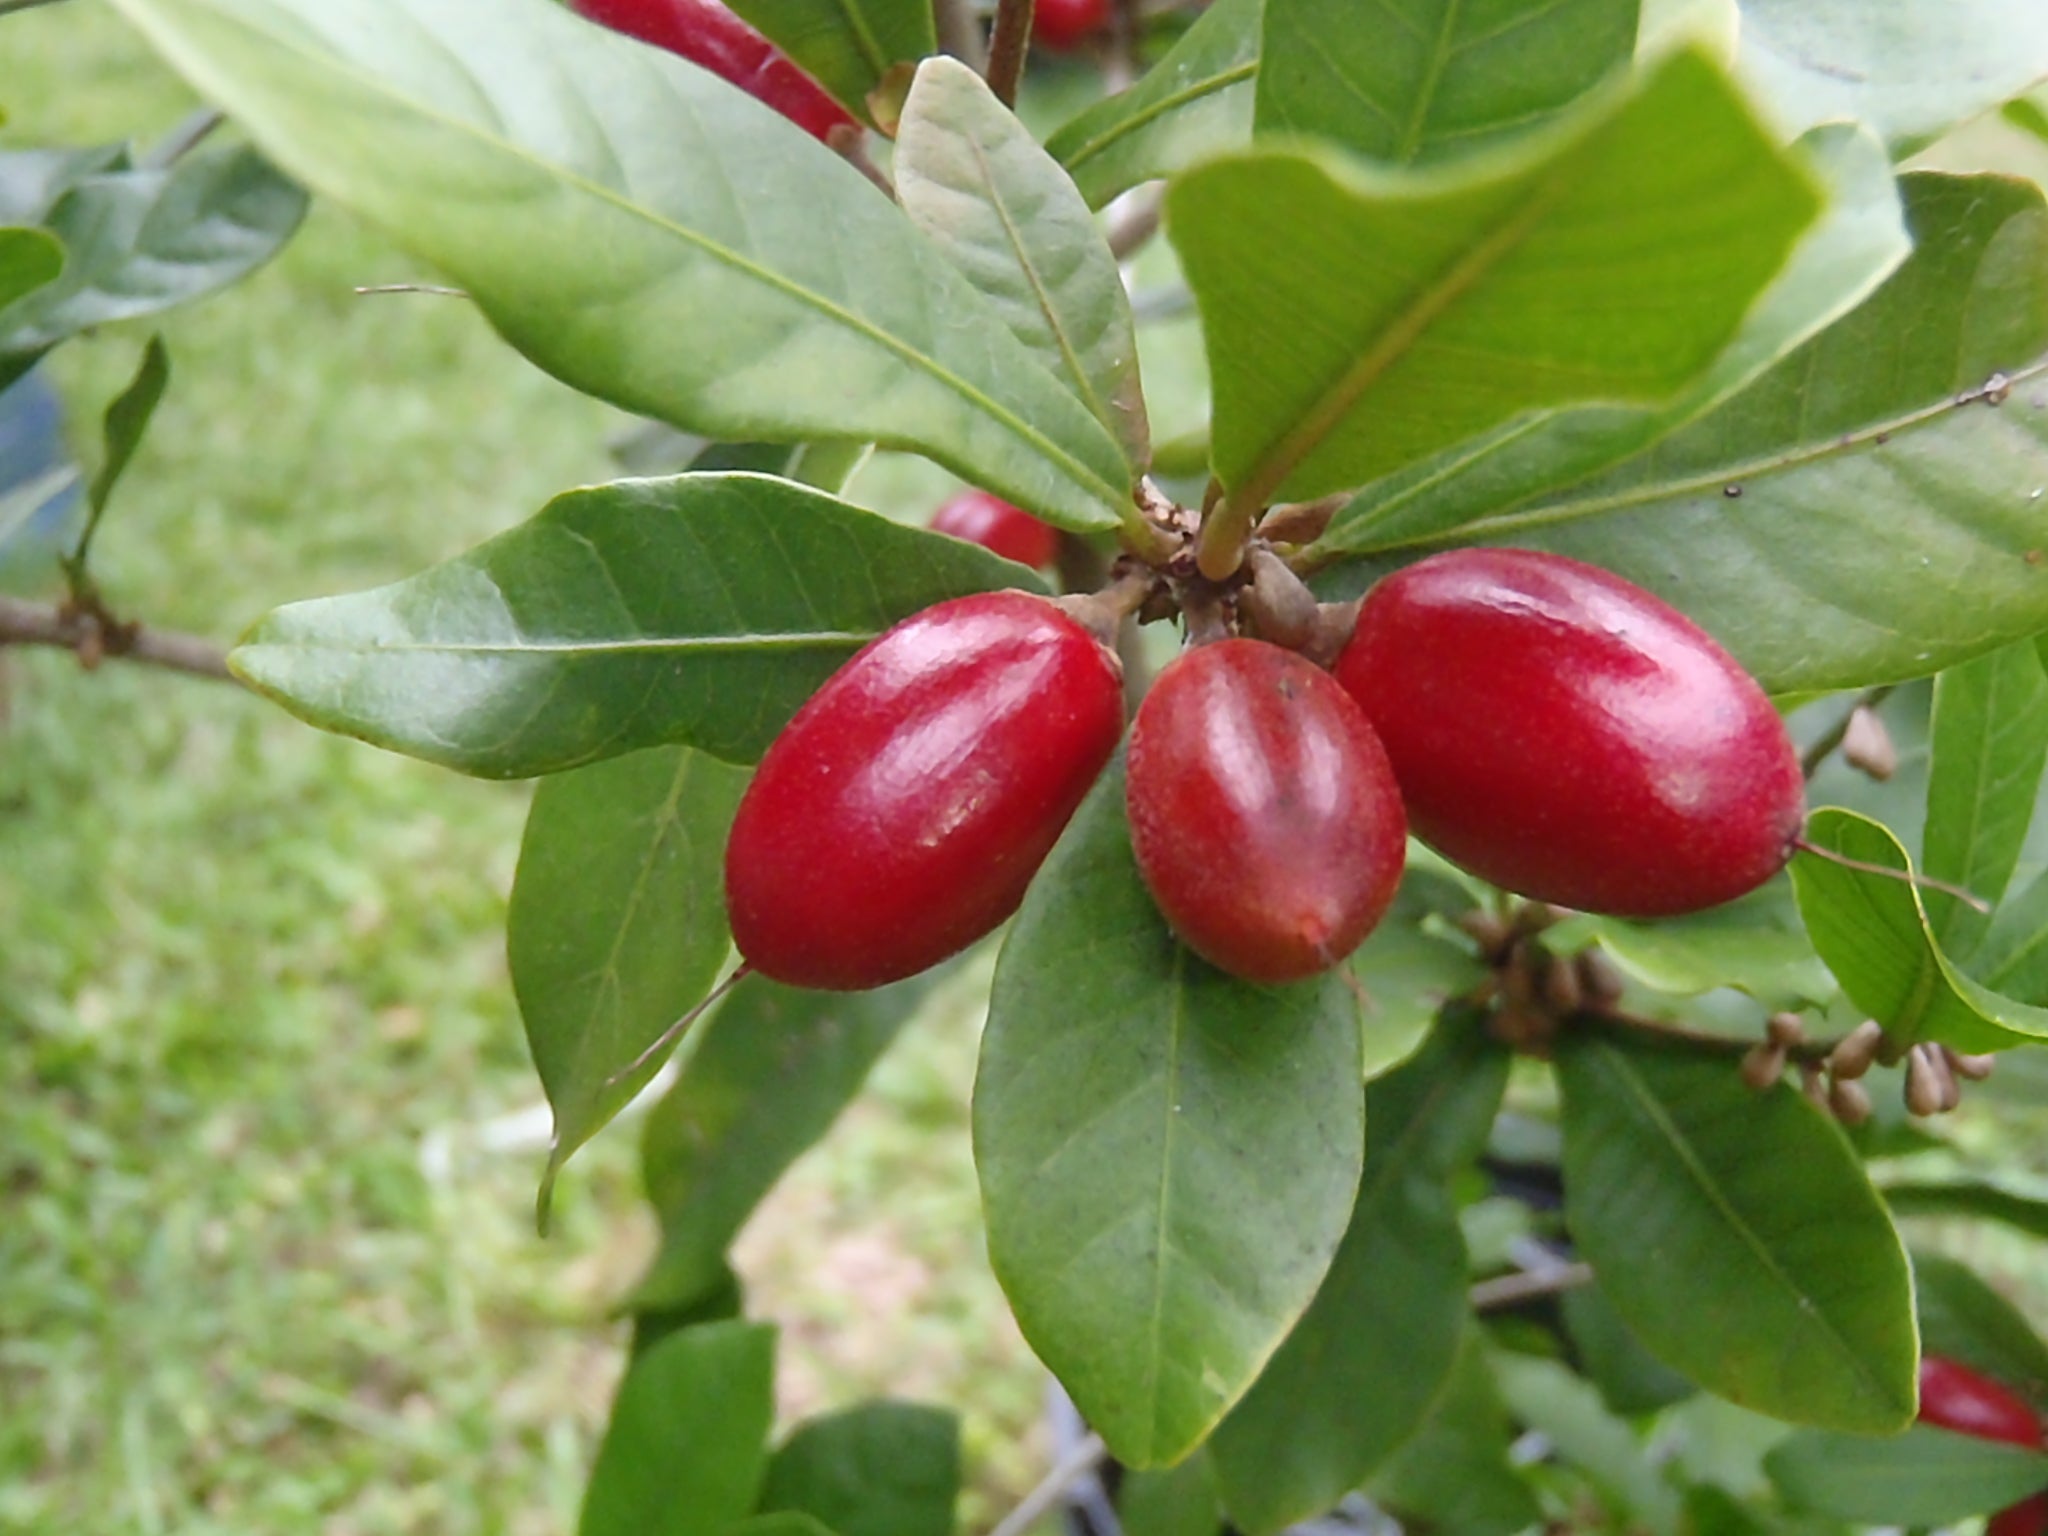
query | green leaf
(1429,81)
(1167,1155)
(1171,1501)
(769,1073)
(786,1523)
(141,239)
(1194,102)
(687,1444)
(722,1302)
(1408,969)
(1873,933)
(29,258)
(974,180)
(1989,730)
(1913,69)
(1924,1477)
(1736,1234)
(702,609)
(1359,1372)
(127,418)
(2012,958)
(507,142)
(1965,1319)
(1408,311)
(1878,422)
(1629,1378)
(617,925)
(1859,239)
(1755,944)
(1973,1198)
(1455,1472)
(879,1469)
(1566,1410)
(848,45)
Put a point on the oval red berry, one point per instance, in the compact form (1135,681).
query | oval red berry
(1062,25)
(1263,812)
(903,811)
(1953,1396)
(1571,737)
(995,525)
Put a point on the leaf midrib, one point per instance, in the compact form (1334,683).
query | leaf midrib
(733,260)
(1208,85)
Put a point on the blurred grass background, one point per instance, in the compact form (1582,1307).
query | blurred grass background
(246,969)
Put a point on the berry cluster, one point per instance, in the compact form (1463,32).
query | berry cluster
(1543,723)
(1955,1397)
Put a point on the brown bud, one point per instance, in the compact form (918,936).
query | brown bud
(1850,1102)
(1944,1075)
(1785,1029)
(1599,977)
(1975,1068)
(1923,1086)
(1856,1052)
(1811,1085)
(1867,744)
(1489,930)
(1561,989)
(1301,522)
(1762,1065)
(1284,610)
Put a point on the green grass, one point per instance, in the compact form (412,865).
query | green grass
(246,968)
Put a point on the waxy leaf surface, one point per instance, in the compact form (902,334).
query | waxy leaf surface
(700,610)
(876,1469)
(1168,1156)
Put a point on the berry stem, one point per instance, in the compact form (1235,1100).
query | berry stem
(668,1037)
(1226,531)
(1925,882)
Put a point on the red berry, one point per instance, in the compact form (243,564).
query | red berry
(1570,737)
(1953,1396)
(2029,1517)
(1063,25)
(995,525)
(902,812)
(1263,813)
(707,34)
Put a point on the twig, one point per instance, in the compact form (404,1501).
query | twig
(1071,1468)
(89,636)
(1136,224)
(1811,759)
(1006,49)
(1506,1290)
(186,137)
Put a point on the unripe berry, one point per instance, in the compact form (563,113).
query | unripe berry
(1569,736)
(904,809)
(1263,813)
(1953,1396)
(995,525)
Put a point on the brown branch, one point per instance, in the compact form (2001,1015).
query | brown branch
(1006,48)
(90,637)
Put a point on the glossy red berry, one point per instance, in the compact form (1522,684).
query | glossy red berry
(1263,812)
(995,525)
(1063,25)
(1570,737)
(1953,1396)
(708,34)
(2029,1517)
(904,809)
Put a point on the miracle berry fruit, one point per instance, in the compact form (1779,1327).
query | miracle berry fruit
(1572,738)
(904,809)
(1264,815)
(1952,1396)
(995,525)
(1064,25)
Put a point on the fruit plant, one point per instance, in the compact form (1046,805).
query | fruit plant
(1603,454)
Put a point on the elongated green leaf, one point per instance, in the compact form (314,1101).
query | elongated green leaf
(1979,1198)
(1963,1318)
(1356,1377)
(973,179)
(617,924)
(1407,312)
(2012,959)
(1989,729)
(127,418)
(1755,520)
(1426,80)
(1406,971)
(508,142)
(770,1072)
(142,239)
(878,1469)
(1873,933)
(1167,1155)
(1629,1378)
(1857,242)
(1193,103)
(29,258)
(1755,945)
(1924,1477)
(784,1523)
(1736,1234)
(1566,1410)
(1455,1472)
(847,44)
(702,609)
(687,1444)
(1913,69)
(1171,1501)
